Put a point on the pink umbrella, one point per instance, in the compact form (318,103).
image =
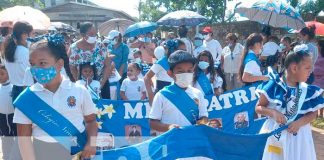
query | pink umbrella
(35,17)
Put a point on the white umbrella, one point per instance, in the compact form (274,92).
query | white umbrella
(35,17)
(182,17)
(114,24)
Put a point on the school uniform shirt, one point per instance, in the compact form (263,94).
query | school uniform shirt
(6,106)
(16,69)
(95,85)
(133,89)
(217,83)
(215,48)
(198,50)
(160,73)
(252,67)
(232,59)
(71,100)
(165,111)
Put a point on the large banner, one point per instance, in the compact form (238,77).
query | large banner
(124,123)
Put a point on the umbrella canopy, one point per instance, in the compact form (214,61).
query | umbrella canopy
(275,13)
(60,26)
(319,30)
(182,17)
(35,17)
(114,24)
(140,28)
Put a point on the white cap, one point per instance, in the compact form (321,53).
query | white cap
(112,34)
(159,52)
(200,36)
(270,49)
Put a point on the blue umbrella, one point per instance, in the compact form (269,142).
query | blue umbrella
(140,28)
(275,13)
(182,17)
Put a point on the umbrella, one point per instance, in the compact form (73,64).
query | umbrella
(275,13)
(35,17)
(140,28)
(319,31)
(60,26)
(114,24)
(182,17)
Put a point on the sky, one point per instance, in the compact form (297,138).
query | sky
(131,6)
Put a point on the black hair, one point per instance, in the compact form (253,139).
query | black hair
(88,65)
(321,46)
(310,31)
(4,31)
(266,31)
(211,68)
(137,66)
(287,39)
(138,52)
(232,37)
(18,30)
(182,31)
(57,49)
(250,42)
(179,57)
(274,39)
(172,45)
(295,57)
(85,27)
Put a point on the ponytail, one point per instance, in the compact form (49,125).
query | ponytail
(250,42)
(10,49)
(310,31)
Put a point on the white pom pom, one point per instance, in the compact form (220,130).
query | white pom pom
(302,47)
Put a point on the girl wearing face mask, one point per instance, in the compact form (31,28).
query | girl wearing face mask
(89,50)
(54,107)
(179,104)
(250,69)
(206,78)
(88,78)
(16,56)
(198,43)
(133,88)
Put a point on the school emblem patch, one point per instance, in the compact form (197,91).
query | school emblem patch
(71,101)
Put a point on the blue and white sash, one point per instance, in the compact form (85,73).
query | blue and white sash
(51,121)
(164,63)
(251,57)
(179,98)
(294,110)
(205,84)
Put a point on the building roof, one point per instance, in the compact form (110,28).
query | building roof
(63,8)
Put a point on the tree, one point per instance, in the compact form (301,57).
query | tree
(10,3)
(214,10)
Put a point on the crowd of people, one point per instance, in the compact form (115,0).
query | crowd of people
(149,68)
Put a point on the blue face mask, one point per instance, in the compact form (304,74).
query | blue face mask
(198,43)
(147,40)
(203,65)
(43,75)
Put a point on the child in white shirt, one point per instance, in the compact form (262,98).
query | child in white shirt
(88,78)
(132,87)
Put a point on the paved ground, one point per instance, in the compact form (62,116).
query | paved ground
(318,136)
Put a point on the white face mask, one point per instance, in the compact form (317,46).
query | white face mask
(92,40)
(206,37)
(28,44)
(183,80)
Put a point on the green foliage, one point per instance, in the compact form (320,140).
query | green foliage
(214,10)
(11,3)
(311,6)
